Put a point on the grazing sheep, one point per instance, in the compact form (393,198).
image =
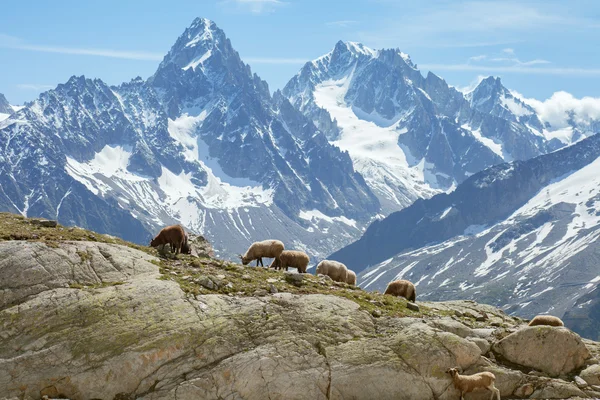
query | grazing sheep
(334,269)
(292,258)
(402,288)
(185,247)
(546,320)
(351,278)
(173,235)
(258,250)
(468,383)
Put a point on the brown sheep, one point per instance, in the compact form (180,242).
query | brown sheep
(173,235)
(468,383)
(334,269)
(351,278)
(258,250)
(292,258)
(546,320)
(402,288)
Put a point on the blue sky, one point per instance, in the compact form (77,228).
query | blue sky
(537,47)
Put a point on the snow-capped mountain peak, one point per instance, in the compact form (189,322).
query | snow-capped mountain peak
(197,44)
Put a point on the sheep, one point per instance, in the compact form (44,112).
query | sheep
(173,235)
(186,248)
(351,278)
(546,320)
(334,269)
(266,248)
(402,288)
(468,383)
(292,258)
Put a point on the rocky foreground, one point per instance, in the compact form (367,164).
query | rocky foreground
(87,316)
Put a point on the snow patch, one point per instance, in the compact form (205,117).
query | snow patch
(315,216)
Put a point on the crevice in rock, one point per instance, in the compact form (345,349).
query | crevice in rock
(323,352)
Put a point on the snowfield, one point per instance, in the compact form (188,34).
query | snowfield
(374,148)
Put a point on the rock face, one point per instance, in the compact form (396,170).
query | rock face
(529,347)
(5,107)
(87,320)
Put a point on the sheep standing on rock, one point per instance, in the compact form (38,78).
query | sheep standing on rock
(351,278)
(334,269)
(549,320)
(402,288)
(173,235)
(468,383)
(266,248)
(292,258)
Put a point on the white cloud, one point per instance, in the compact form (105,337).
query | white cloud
(561,106)
(508,57)
(11,42)
(341,24)
(264,60)
(254,6)
(477,58)
(33,86)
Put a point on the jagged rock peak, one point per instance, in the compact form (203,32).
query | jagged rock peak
(197,44)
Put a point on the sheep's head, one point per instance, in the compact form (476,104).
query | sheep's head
(245,260)
(452,371)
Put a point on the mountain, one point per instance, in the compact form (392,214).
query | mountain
(201,142)
(5,108)
(522,235)
(412,136)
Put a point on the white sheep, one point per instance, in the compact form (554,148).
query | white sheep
(468,383)
(402,288)
(549,320)
(351,278)
(258,250)
(292,258)
(334,269)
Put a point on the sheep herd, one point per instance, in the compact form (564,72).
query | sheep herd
(283,259)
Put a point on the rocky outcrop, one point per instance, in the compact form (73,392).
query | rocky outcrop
(530,347)
(89,320)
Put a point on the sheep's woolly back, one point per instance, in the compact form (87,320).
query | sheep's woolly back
(294,259)
(546,320)
(351,278)
(402,288)
(266,248)
(334,269)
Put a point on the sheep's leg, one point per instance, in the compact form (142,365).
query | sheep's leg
(495,391)
(462,396)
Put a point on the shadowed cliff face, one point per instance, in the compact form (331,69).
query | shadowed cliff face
(77,314)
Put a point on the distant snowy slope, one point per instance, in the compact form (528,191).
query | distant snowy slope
(522,236)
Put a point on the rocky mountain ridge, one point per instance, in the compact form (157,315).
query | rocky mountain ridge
(412,136)
(77,311)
